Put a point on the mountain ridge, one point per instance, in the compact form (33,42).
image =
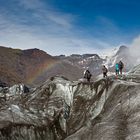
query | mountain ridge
(21,63)
(34,66)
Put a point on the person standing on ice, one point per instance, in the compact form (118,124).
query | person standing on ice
(121,66)
(87,75)
(104,70)
(117,68)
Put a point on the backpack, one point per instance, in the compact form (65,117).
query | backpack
(87,74)
(121,64)
(117,66)
(104,69)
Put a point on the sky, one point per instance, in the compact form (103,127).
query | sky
(70,26)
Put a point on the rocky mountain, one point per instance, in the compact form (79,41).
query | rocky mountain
(91,61)
(106,109)
(20,65)
(94,62)
(61,68)
(32,66)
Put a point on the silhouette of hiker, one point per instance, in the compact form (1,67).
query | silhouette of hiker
(121,66)
(87,75)
(117,68)
(104,70)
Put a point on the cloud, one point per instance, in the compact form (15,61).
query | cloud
(31,4)
(106,24)
(106,29)
(46,13)
(24,37)
(135,47)
(53,31)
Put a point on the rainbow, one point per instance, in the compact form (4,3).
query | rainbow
(40,70)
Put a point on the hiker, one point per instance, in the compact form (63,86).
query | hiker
(105,70)
(87,75)
(121,65)
(117,68)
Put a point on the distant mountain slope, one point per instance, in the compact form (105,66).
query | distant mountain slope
(18,66)
(33,66)
(62,68)
(8,67)
(91,61)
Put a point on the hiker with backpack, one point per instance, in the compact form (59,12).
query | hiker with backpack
(121,66)
(87,75)
(117,68)
(104,70)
